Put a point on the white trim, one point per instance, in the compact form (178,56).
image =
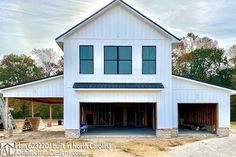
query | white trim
(146,20)
(205,84)
(117,89)
(36,97)
(99,12)
(33,82)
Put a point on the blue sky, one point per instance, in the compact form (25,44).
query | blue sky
(28,24)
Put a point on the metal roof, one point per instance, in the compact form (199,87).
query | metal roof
(32,81)
(118,85)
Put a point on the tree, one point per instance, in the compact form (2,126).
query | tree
(60,65)
(188,44)
(47,59)
(232,62)
(209,64)
(232,55)
(16,69)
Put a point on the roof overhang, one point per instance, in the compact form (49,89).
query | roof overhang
(54,101)
(60,39)
(31,82)
(232,91)
(118,86)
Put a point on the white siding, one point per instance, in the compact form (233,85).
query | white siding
(137,76)
(190,92)
(133,31)
(52,87)
(71,107)
(118,96)
(118,22)
(117,26)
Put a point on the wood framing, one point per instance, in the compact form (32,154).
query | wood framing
(119,114)
(199,114)
(6,113)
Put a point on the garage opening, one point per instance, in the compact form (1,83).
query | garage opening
(197,118)
(119,118)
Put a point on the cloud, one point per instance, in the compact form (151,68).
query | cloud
(25,25)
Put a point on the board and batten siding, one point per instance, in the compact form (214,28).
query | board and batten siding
(117,26)
(191,92)
(121,96)
(47,88)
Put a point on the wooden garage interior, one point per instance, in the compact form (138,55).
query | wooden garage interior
(134,115)
(198,117)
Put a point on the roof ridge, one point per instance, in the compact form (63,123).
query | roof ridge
(130,7)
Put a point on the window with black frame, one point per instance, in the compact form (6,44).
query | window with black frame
(86,59)
(149,60)
(118,60)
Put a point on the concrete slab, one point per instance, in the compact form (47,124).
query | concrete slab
(120,132)
(187,132)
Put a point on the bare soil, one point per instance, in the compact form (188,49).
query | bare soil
(125,147)
(217,147)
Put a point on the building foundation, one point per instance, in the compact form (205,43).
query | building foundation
(72,133)
(222,132)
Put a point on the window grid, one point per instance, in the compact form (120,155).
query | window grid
(91,60)
(148,60)
(117,60)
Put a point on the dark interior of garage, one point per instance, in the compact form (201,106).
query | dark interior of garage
(136,115)
(197,117)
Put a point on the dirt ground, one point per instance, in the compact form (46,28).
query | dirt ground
(125,147)
(133,147)
(217,147)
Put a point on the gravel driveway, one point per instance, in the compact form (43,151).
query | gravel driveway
(215,147)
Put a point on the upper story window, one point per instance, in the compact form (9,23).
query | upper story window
(118,59)
(149,60)
(86,59)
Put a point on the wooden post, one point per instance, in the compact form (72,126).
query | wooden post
(156,116)
(32,109)
(124,116)
(50,116)
(113,115)
(145,115)
(110,115)
(135,115)
(8,132)
(6,113)
(153,116)
(105,108)
(50,109)
(82,113)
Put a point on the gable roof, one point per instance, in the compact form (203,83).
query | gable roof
(59,38)
(233,91)
(32,82)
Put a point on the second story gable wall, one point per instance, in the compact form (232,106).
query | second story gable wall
(118,22)
(118,27)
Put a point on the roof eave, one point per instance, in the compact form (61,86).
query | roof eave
(60,38)
(32,82)
(232,92)
(117,89)
(172,37)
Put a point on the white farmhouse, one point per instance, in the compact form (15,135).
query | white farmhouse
(118,73)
